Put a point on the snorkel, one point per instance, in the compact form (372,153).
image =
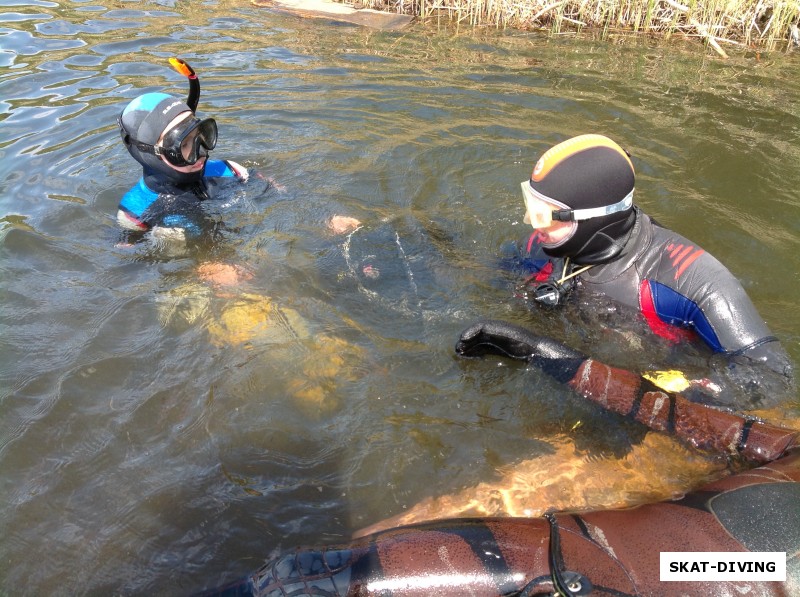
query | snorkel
(187,71)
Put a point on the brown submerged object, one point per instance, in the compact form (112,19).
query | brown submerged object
(597,553)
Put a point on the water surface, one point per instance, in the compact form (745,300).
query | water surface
(159,435)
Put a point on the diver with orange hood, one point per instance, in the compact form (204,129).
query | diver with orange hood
(588,234)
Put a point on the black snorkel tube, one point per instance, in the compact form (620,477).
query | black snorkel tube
(194,83)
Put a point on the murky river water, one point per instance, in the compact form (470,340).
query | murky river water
(159,435)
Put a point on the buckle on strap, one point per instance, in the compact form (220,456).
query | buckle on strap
(568,215)
(566,582)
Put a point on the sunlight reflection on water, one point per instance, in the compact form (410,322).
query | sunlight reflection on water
(159,434)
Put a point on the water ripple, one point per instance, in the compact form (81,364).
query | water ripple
(146,449)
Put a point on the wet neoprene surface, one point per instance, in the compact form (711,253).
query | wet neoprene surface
(777,528)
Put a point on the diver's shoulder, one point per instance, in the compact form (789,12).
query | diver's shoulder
(138,198)
(225,168)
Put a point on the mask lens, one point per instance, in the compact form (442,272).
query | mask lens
(190,147)
(190,141)
(199,140)
(539,214)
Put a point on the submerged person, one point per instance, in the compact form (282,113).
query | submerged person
(599,551)
(589,234)
(172,202)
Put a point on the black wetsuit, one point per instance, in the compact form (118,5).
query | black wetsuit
(677,287)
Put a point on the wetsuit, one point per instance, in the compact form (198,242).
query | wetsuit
(676,286)
(156,201)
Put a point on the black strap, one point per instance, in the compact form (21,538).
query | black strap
(566,583)
(742,443)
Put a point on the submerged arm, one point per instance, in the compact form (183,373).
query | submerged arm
(628,394)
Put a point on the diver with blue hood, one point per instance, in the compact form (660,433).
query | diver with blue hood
(164,134)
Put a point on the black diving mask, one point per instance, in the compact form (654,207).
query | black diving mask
(192,139)
(184,144)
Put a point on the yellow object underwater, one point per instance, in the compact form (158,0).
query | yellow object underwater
(671,380)
(322,363)
(253,318)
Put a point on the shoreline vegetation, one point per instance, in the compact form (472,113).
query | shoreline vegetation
(766,25)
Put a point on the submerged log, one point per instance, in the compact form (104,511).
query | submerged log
(335,11)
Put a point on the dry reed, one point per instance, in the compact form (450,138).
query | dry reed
(760,24)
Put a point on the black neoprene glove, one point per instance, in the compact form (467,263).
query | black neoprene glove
(499,337)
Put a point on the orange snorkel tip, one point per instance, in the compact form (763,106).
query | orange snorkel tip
(182,67)
(194,83)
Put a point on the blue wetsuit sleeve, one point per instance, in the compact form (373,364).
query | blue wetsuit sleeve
(148,209)
(721,312)
(218,168)
(137,201)
(673,308)
(690,288)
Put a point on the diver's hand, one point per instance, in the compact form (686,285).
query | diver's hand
(343,224)
(498,337)
(240,171)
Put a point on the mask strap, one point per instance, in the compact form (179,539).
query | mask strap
(576,215)
(128,140)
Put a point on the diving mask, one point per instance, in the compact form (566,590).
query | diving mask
(190,140)
(541,214)
(182,145)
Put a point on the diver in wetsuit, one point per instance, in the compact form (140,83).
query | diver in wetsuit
(164,134)
(172,144)
(588,233)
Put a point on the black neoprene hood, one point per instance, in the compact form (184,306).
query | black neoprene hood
(144,119)
(586,172)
